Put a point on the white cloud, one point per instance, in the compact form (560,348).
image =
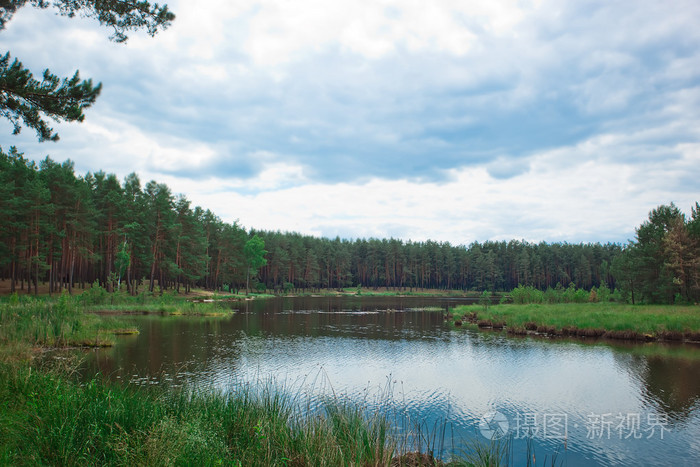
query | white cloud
(283,31)
(555,120)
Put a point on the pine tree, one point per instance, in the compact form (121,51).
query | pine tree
(254,251)
(134,232)
(162,219)
(27,101)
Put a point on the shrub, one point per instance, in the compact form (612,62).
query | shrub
(527,294)
(604,293)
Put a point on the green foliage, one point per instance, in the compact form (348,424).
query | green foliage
(57,322)
(106,424)
(569,294)
(26,100)
(120,15)
(581,296)
(95,295)
(123,260)
(526,294)
(485,299)
(254,252)
(644,320)
(603,294)
(125,232)
(664,260)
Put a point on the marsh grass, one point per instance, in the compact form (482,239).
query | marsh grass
(496,453)
(55,323)
(595,319)
(98,299)
(51,419)
(184,308)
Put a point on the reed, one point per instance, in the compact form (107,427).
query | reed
(612,320)
(176,309)
(51,419)
(55,323)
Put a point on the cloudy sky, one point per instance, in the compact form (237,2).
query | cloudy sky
(459,121)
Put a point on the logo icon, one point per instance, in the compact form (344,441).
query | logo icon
(493,425)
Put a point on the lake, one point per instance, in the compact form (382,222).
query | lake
(588,402)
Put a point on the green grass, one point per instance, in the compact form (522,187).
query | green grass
(56,323)
(181,308)
(72,320)
(651,320)
(49,419)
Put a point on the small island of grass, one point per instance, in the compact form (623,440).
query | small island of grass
(592,318)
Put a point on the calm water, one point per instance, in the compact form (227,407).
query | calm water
(595,404)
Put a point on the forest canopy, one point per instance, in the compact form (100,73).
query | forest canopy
(68,231)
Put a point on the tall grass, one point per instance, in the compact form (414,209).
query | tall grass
(59,322)
(650,320)
(97,298)
(50,419)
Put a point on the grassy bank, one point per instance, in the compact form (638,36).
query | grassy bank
(49,419)
(175,309)
(97,299)
(610,320)
(404,292)
(89,319)
(56,323)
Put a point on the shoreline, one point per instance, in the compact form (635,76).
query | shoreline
(638,323)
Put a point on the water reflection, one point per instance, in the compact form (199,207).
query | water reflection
(387,351)
(672,383)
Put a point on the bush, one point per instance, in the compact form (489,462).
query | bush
(552,296)
(95,295)
(526,294)
(485,299)
(604,293)
(523,295)
(569,294)
(581,296)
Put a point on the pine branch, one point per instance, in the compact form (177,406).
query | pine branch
(121,15)
(24,99)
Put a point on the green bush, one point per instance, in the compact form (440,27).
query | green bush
(95,295)
(604,293)
(527,294)
(581,296)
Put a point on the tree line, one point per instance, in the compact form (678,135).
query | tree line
(298,261)
(69,231)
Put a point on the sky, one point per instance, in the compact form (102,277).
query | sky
(458,121)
